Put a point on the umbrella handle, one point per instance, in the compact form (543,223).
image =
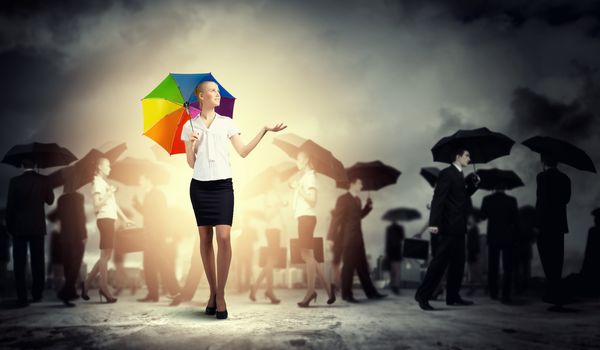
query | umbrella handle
(186,105)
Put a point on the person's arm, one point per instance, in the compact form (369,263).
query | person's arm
(309,195)
(123,217)
(442,188)
(244,149)
(10,207)
(367,208)
(49,193)
(191,147)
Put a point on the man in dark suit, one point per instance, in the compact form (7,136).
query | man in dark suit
(153,209)
(26,222)
(502,213)
(70,212)
(394,236)
(346,220)
(553,195)
(448,219)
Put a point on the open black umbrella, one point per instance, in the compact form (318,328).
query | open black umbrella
(483,145)
(44,155)
(323,160)
(561,151)
(498,179)
(430,174)
(261,183)
(374,175)
(402,214)
(129,170)
(82,171)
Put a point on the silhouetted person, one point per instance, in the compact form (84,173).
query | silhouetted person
(244,255)
(193,278)
(70,212)
(154,209)
(4,253)
(473,252)
(524,247)
(553,194)
(501,212)
(348,214)
(590,271)
(448,219)
(26,222)
(394,236)
(336,246)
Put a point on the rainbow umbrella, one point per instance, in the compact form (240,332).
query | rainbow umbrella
(170,105)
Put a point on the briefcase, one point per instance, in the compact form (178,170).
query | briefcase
(281,256)
(316,245)
(130,240)
(415,249)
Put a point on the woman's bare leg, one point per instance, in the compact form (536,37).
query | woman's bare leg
(311,265)
(223,263)
(208,260)
(105,255)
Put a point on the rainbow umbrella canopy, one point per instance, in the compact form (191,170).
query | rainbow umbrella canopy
(169,106)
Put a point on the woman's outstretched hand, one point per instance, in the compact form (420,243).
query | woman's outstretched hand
(276,128)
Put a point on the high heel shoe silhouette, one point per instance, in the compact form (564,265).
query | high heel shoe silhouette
(271,296)
(221,315)
(252,295)
(84,294)
(332,297)
(305,303)
(211,310)
(109,300)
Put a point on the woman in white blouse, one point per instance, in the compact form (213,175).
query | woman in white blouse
(107,212)
(211,190)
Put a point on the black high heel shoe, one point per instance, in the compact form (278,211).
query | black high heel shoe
(271,296)
(307,302)
(109,300)
(211,310)
(332,297)
(221,315)
(84,294)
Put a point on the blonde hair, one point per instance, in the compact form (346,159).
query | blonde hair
(199,88)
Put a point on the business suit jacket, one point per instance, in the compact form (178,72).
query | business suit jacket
(393,242)
(70,211)
(451,202)
(553,195)
(345,227)
(27,194)
(502,213)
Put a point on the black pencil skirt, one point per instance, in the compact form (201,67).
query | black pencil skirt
(107,232)
(212,202)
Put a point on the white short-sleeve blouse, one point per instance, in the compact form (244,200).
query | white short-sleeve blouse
(212,156)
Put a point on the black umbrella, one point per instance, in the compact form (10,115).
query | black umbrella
(82,172)
(374,175)
(497,179)
(402,214)
(261,183)
(129,170)
(323,160)
(561,151)
(44,155)
(483,145)
(430,174)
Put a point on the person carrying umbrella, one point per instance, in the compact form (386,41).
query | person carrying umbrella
(448,218)
(26,223)
(394,238)
(107,212)
(502,213)
(553,195)
(211,188)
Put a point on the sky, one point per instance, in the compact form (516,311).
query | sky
(368,80)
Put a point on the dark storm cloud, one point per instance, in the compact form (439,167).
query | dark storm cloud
(576,120)
(515,12)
